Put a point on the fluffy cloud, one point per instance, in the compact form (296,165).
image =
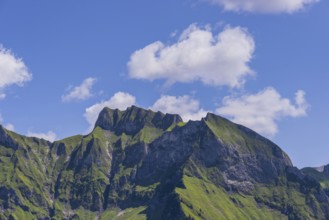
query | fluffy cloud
(264,6)
(8,126)
(261,111)
(187,107)
(80,92)
(219,60)
(50,136)
(119,100)
(13,71)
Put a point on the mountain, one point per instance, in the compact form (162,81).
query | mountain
(321,174)
(140,164)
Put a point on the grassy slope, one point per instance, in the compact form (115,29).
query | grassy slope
(203,200)
(84,175)
(239,137)
(22,170)
(127,214)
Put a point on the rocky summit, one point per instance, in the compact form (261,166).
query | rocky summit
(140,164)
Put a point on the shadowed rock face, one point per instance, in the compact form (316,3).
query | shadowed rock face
(153,165)
(320,175)
(6,140)
(134,119)
(326,170)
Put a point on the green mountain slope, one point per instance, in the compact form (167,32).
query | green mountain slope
(140,164)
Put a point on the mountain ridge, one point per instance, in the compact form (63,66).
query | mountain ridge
(140,164)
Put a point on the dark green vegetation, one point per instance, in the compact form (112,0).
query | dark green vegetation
(139,164)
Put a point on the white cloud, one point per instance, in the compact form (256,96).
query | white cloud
(50,136)
(218,60)
(187,107)
(119,100)
(261,111)
(81,92)
(10,127)
(264,6)
(7,126)
(13,71)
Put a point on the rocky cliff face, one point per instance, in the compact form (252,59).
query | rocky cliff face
(321,174)
(140,164)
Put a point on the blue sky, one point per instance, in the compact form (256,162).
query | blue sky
(260,63)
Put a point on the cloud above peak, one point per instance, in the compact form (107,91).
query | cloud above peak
(8,126)
(262,110)
(187,107)
(198,55)
(13,71)
(264,6)
(49,136)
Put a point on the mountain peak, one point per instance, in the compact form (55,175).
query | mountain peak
(133,119)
